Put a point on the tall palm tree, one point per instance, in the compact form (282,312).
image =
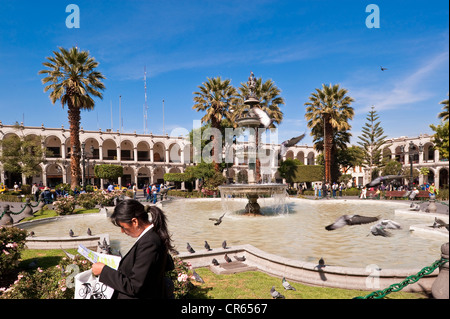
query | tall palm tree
(444,114)
(72,78)
(215,97)
(269,96)
(329,107)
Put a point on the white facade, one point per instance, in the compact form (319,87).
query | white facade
(421,154)
(144,157)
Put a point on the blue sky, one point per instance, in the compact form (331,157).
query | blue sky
(298,44)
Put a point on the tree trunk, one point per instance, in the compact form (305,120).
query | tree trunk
(328,141)
(74,121)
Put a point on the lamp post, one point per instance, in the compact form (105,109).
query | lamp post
(411,153)
(83,180)
(84,157)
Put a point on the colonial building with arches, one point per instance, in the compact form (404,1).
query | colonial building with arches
(146,157)
(415,152)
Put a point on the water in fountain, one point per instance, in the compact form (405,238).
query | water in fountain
(298,235)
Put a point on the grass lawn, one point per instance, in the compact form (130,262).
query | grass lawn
(256,285)
(51,213)
(246,285)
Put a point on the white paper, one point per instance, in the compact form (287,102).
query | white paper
(109,260)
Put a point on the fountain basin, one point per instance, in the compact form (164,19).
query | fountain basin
(253,192)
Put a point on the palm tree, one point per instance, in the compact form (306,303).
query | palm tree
(71,77)
(269,96)
(215,97)
(329,107)
(444,114)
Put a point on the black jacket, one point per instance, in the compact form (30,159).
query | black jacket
(141,271)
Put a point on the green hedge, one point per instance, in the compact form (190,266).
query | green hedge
(308,173)
(178,177)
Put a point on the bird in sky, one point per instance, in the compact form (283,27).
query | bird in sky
(377,181)
(289,143)
(382,69)
(287,285)
(351,220)
(218,220)
(389,224)
(264,118)
(378,230)
(438,223)
(275,294)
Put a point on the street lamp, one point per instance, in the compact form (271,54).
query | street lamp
(84,158)
(411,152)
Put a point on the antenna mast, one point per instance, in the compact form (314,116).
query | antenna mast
(145,99)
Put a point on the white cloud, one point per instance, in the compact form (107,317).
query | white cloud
(401,91)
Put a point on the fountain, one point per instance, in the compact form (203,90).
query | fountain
(255,188)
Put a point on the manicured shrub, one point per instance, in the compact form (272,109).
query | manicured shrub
(12,241)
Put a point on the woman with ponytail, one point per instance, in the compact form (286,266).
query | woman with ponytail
(141,272)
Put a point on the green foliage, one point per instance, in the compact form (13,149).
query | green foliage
(65,205)
(178,177)
(372,140)
(55,282)
(288,169)
(441,139)
(86,200)
(308,173)
(12,241)
(108,171)
(181,277)
(392,167)
(23,154)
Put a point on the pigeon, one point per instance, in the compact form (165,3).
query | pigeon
(89,232)
(227,259)
(382,69)
(224,244)
(239,258)
(198,278)
(190,249)
(287,285)
(275,294)
(215,262)
(207,246)
(32,234)
(218,220)
(264,118)
(33,264)
(389,224)
(321,264)
(377,181)
(350,220)
(69,255)
(378,230)
(288,143)
(71,234)
(438,223)
(414,207)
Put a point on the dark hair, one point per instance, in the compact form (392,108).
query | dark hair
(128,209)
